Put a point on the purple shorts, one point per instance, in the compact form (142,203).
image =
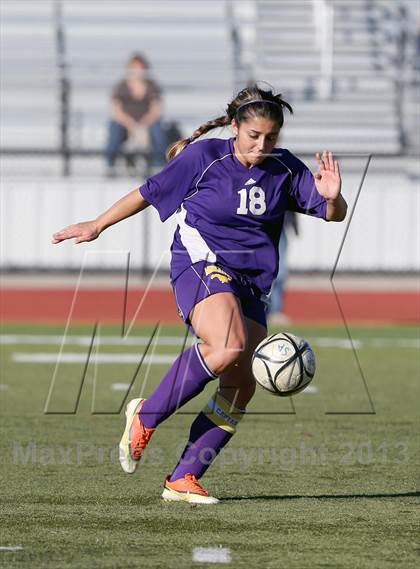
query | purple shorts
(203,279)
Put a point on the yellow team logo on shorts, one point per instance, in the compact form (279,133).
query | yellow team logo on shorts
(217,273)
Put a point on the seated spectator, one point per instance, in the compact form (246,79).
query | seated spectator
(135,114)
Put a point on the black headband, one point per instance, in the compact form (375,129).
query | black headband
(257,101)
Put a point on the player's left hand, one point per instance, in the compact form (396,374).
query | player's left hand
(327,179)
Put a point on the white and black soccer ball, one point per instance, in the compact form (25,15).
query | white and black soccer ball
(283,364)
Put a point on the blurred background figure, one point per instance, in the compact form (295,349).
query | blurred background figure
(276,313)
(135,116)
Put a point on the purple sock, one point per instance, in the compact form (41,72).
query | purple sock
(185,379)
(211,431)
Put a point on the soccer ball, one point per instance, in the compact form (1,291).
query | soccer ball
(283,364)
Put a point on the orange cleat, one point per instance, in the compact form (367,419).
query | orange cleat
(135,438)
(186,489)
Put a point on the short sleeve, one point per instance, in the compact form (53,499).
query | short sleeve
(118,91)
(167,189)
(304,197)
(154,91)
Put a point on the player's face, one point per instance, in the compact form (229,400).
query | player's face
(255,138)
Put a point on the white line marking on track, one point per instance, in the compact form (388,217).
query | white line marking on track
(211,555)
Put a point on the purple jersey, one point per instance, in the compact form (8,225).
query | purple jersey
(229,214)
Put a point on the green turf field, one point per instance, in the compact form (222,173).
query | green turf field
(317,481)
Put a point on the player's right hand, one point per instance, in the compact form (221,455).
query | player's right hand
(80,232)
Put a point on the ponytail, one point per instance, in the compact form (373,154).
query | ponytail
(179,145)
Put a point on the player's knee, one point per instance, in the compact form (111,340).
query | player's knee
(223,360)
(225,357)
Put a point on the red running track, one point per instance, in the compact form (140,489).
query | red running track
(107,305)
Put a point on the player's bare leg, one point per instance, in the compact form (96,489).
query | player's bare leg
(237,384)
(229,340)
(219,323)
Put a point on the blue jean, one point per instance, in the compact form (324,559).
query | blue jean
(118,134)
(277,289)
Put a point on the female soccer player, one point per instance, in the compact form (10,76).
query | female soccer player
(230,197)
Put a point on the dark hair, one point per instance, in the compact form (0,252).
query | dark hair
(138,58)
(250,102)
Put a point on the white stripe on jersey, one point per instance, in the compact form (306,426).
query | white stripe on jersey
(204,171)
(196,247)
(281,162)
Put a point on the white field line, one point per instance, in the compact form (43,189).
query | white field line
(71,340)
(311,389)
(211,555)
(4,387)
(320,341)
(120,386)
(11,547)
(74,358)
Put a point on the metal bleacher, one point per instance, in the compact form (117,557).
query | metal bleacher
(359,113)
(29,103)
(192,54)
(187,44)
